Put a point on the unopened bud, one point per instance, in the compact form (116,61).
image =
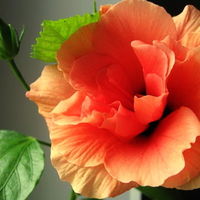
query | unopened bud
(9,41)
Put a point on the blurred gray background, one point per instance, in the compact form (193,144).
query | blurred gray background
(16,111)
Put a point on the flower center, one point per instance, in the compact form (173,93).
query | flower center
(152,125)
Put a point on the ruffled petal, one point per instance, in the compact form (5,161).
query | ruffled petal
(83,144)
(153,59)
(179,51)
(170,53)
(190,40)
(187,21)
(124,124)
(69,111)
(151,160)
(49,90)
(94,182)
(187,177)
(79,108)
(184,83)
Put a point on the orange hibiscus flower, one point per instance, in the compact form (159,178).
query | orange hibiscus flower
(123,103)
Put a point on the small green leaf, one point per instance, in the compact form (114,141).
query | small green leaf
(21,34)
(21,165)
(160,193)
(56,32)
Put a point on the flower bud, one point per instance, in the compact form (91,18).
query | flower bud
(9,41)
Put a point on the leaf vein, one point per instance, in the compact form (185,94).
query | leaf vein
(14,168)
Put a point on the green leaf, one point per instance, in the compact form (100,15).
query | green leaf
(56,32)
(160,193)
(21,165)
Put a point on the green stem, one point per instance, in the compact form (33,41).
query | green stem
(73,195)
(44,143)
(94,7)
(21,79)
(18,74)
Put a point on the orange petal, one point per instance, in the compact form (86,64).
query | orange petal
(179,51)
(125,22)
(151,160)
(82,144)
(79,108)
(132,20)
(190,40)
(192,184)
(78,44)
(49,90)
(69,111)
(154,85)
(187,177)
(128,82)
(149,108)
(156,62)
(187,21)
(85,71)
(170,53)
(105,8)
(90,74)
(184,83)
(93,182)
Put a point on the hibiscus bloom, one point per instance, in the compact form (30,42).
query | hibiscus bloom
(123,103)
